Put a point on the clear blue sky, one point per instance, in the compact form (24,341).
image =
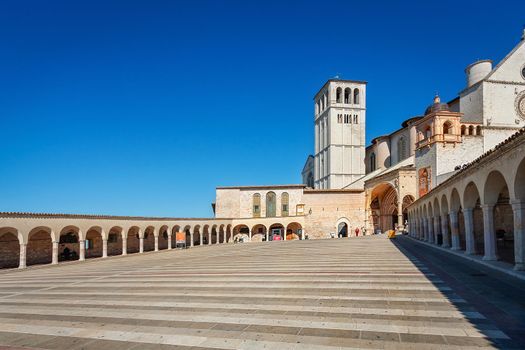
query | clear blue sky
(144,107)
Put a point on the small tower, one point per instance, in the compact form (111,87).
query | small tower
(340,120)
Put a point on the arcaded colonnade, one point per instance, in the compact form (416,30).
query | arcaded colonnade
(481,208)
(30,239)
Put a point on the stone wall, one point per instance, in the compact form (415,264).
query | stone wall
(325,209)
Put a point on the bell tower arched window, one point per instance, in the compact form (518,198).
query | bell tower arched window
(338,95)
(356,96)
(348,94)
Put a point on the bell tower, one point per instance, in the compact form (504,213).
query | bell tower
(340,120)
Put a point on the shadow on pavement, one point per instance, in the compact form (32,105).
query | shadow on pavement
(498,297)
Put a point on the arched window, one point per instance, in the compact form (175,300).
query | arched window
(340,118)
(322,103)
(463,129)
(478,130)
(372,162)
(256,205)
(318,106)
(270,204)
(447,128)
(428,132)
(401,149)
(471,130)
(356,119)
(348,93)
(338,95)
(285,205)
(356,96)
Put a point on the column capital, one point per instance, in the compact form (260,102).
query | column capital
(468,210)
(487,206)
(517,204)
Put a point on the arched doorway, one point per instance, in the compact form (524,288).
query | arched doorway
(383,208)
(197,235)
(163,237)
(149,239)
(342,230)
(473,214)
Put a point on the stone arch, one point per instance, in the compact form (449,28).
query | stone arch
(197,235)
(259,233)
(94,237)
(293,231)
(115,238)
(70,239)
(214,234)
(133,239)
(229,233)
(519,181)
(276,230)
(164,233)
(10,240)
(241,231)
(473,214)
(187,231)
(222,234)
(407,201)
(206,234)
(384,207)
(149,238)
(498,217)
(40,245)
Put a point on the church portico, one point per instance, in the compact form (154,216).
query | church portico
(486,200)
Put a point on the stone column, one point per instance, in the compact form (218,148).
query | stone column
(454,225)
(104,247)
(82,253)
(157,243)
(141,245)
(54,254)
(437,225)
(284,233)
(169,242)
(23,258)
(469,231)
(209,237)
(191,239)
(489,235)
(250,234)
(430,230)
(200,237)
(519,235)
(444,231)
(267,234)
(124,246)
(400,222)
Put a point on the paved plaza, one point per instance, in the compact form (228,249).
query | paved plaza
(365,292)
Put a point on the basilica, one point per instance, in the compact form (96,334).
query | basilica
(453,175)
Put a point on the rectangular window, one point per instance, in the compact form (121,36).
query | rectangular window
(355,119)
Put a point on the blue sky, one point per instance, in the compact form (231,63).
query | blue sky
(144,107)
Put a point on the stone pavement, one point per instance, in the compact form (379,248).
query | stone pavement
(319,294)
